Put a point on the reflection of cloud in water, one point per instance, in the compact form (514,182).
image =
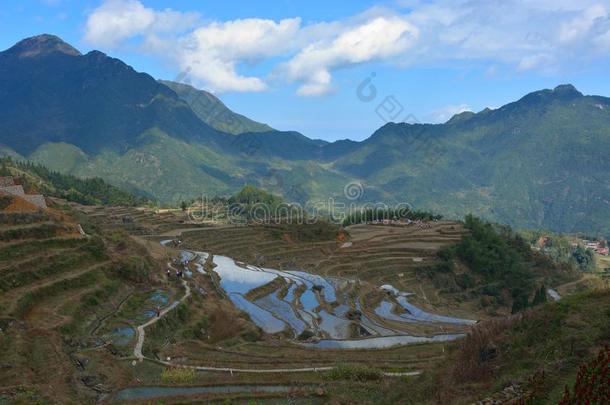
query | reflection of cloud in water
(237,279)
(273,314)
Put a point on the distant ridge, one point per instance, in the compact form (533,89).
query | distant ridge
(214,112)
(538,162)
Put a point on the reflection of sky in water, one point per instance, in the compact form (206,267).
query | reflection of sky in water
(290,294)
(423,316)
(553,294)
(236,279)
(341,310)
(264,319)
(385,311)
(372,326)
(415,314)
(282,310)
(308,318)
(186,256)
(336,328)
(122,336)
(272,314)
(328,290)
(159,298)
(380,342)
(309,300)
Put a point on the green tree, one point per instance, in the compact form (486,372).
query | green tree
(540,297)
(4,171)
(584,258)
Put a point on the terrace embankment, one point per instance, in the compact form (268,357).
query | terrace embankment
(375,255)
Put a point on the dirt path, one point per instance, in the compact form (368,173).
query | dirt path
(137,351)
(276,370)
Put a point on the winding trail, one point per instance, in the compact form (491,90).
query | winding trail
(137,351)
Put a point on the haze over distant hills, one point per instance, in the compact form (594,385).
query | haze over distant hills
(541,161)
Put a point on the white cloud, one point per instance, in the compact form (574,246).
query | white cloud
(212,52)
(521,35)
(117,20)
(534,61)
(379,38)
(581,25)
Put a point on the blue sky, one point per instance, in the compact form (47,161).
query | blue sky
(298,65)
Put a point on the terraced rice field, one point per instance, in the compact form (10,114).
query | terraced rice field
(136,220)
(64,304)
(58,289)
(329,288)
(376,255)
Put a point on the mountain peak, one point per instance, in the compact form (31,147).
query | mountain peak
(567,89)
(42,45)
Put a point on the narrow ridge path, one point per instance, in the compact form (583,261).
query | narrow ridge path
(137,351)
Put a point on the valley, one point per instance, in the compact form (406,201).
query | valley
(261,311)
(159,247)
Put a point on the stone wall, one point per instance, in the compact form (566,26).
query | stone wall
(7,181)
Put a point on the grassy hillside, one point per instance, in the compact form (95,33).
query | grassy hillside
(464,166)
(537,354)
(498,266)
(534,163)
(56,287)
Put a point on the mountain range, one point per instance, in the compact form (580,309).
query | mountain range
(541,161)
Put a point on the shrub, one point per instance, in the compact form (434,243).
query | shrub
(592,384)
(252,335)
(134,269)
(175,375)
(43,231)
(355,373)
(29,299)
